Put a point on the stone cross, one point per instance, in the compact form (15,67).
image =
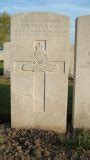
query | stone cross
(40,64)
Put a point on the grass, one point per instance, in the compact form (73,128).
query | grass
(70,101)
(1,67)
(1,140)
(4,100)
(4,97)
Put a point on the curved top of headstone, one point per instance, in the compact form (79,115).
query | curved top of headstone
(34,25)
(83,17)
(39,13)
(83,21)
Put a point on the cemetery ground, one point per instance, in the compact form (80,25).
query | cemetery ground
(37,144)
(1,67)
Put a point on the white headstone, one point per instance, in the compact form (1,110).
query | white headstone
(81,111)
(5,57)
(39,75)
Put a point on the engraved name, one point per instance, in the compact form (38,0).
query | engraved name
(37,27)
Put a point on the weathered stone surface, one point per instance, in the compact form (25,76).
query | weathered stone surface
(39,70)
(5,56)
(81,111)
(1,55)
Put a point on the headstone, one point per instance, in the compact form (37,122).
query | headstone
(5,57)
(81,110)
(1,55)
(39,74)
